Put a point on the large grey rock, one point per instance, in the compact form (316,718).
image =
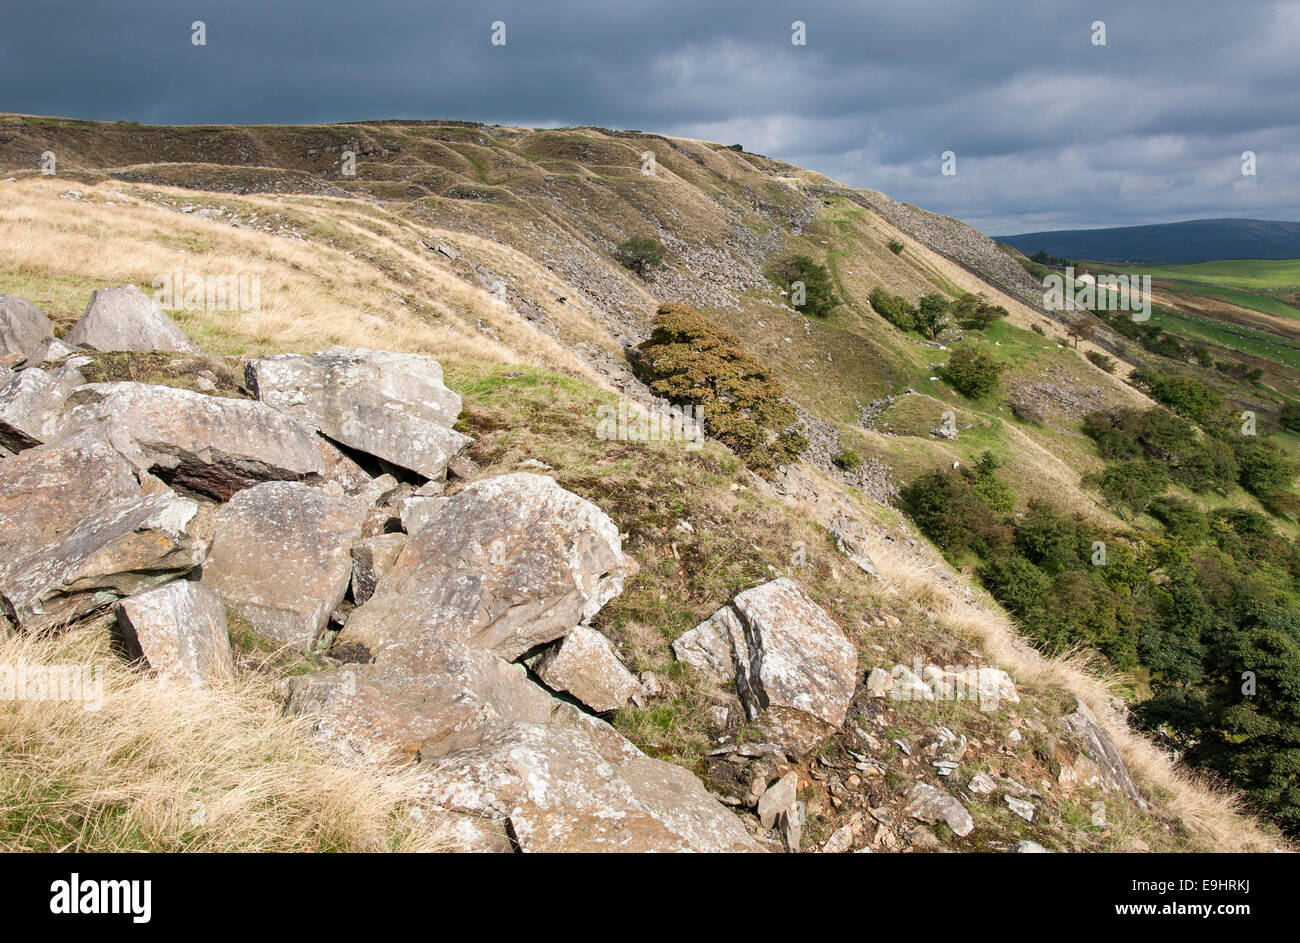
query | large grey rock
(390,405)
(178,629)
(125,318)
(116,551)
(583,664)
(46,492)
(211,445)
(1102,750)
(31,404)
(582,787)
(22,328)
(281,558)
(507,564)
(930,804)
(794,669)
(423,698)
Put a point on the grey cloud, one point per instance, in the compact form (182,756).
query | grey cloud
(1050,131)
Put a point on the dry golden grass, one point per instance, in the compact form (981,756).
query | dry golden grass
(162,767)
(392,294)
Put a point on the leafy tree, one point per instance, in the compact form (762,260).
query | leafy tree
(932,315)
(973,313)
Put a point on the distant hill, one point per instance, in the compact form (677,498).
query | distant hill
(1196,240)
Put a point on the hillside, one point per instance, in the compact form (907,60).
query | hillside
(493,251)
(1193,240)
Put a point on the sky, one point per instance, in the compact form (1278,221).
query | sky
(1047,128)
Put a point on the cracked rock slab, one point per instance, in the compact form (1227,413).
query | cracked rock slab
(507,564)
(582,787)
(117,551)
(281,558)
(795,670)
(210,445)
(390,405)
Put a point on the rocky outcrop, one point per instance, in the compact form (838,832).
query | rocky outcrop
(115,551)
(582,787)
(281,558)
(422,698)
(794,669)
(125,318)
(46,492)
(507,564)
(392,406)
(23,327)
(584,665)
(1101,749)
(209,445)
(31,404)
(178,630)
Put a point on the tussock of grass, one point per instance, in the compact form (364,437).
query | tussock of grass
(162,767)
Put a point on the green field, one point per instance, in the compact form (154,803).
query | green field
(1256,274)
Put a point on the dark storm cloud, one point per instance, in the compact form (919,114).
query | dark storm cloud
(1049,130)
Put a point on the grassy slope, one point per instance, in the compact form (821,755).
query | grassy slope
(358,271)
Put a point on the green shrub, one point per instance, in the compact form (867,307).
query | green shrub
(1290,416)
(973,313)
(1180,517)
(818,294)
(1101,360)
(1131,486)
(973,372)
(1184,395)
(896,247)
(848,459)
(895,309)
(640,254)
(690,360)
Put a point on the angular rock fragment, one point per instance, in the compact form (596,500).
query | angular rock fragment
(179,629)
(389,405)
(281,558)
(23,327)
(583,664)
(125,318)
(45,493)
(930,804)
(794,669)
(371,559)
(507,564)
